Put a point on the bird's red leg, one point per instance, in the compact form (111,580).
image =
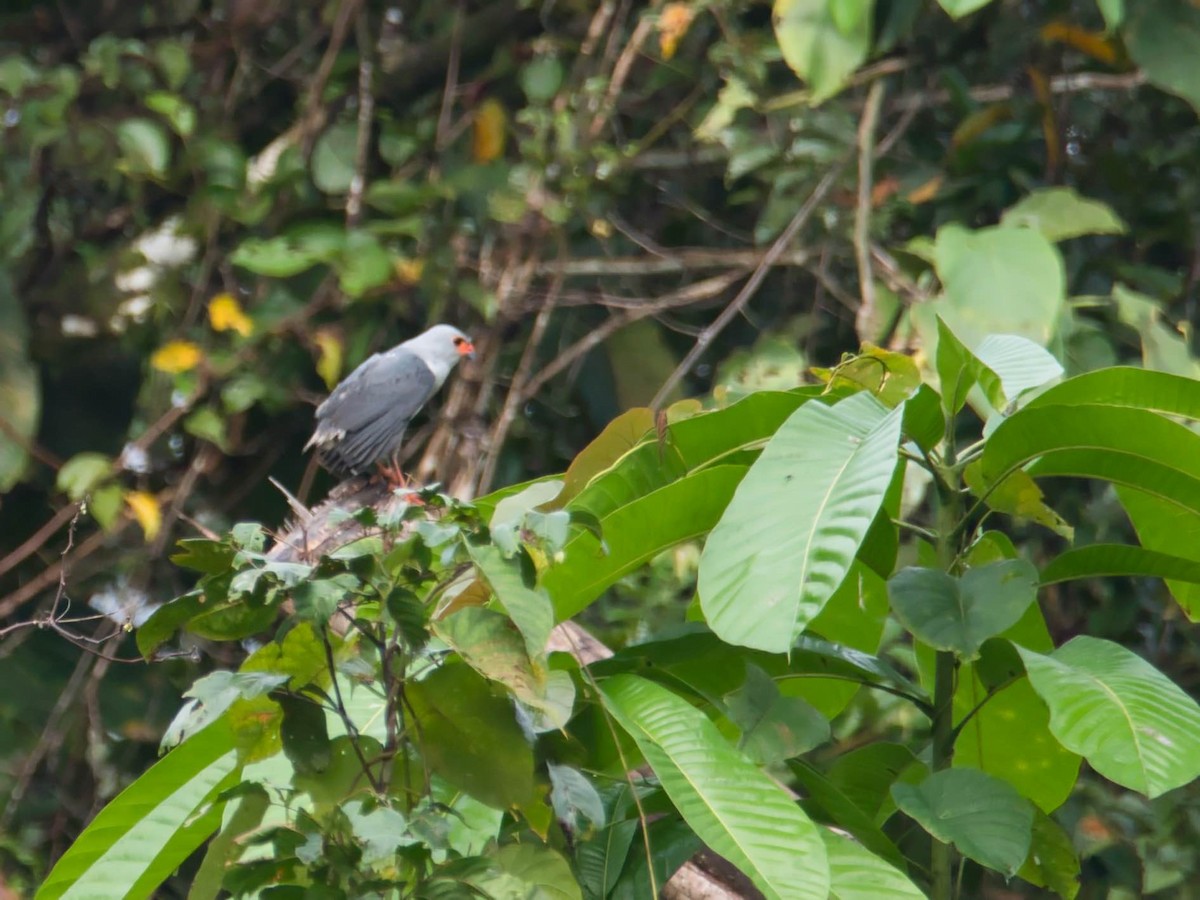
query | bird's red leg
(395,478)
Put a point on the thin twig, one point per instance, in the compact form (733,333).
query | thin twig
(315,114)
(366,110)
(693,293)
(35,541)
(32,588)
(515,397)
(864,322)
(706,337)
(448,92)
(1071,83)
(686,259)
(642,31)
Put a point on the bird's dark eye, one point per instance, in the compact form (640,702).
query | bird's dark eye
(458,342)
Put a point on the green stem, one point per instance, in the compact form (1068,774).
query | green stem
(941,856)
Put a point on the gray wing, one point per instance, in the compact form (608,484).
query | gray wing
(364,419)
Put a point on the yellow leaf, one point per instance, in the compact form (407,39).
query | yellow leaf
(174,357)
(923,193)
(226,314)
(329,363)
(409,271)
(673,24)
(146,510)
(1093,43)
(488,134)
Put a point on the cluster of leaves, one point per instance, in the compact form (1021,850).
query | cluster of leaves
(430,746)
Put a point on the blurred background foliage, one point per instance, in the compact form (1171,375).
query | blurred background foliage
(213,209)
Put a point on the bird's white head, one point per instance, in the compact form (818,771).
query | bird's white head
(441,347)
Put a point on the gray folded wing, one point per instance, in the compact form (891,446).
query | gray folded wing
(363,421)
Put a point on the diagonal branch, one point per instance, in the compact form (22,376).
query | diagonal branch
(706,337)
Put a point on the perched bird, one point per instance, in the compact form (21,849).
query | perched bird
(362,423)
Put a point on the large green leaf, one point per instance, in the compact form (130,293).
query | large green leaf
(1028,757)
(733,807)
(1132,723)
(996,281)
(984,817)
(1163,528)
(1061,213)
(1120,444)
(1111,560)
(635,533)
(959,614)
(152,826)
(855,873)
(815,48)
(1126,386)
(1163,37)
(469,736)
(790,534)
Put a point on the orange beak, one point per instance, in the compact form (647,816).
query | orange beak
(467,349)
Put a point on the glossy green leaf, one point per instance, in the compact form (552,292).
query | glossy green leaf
(982,816)
(816,49)
(855,873)
(1126,386)
(1018,362)
(470,736)
(959,614)
(635,533)
(1128,446)
(152,826)
(732,806)
(789,536)
(1133,725)
(1117,560)
(1060,213)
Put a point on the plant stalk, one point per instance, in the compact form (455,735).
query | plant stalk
(949,512)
